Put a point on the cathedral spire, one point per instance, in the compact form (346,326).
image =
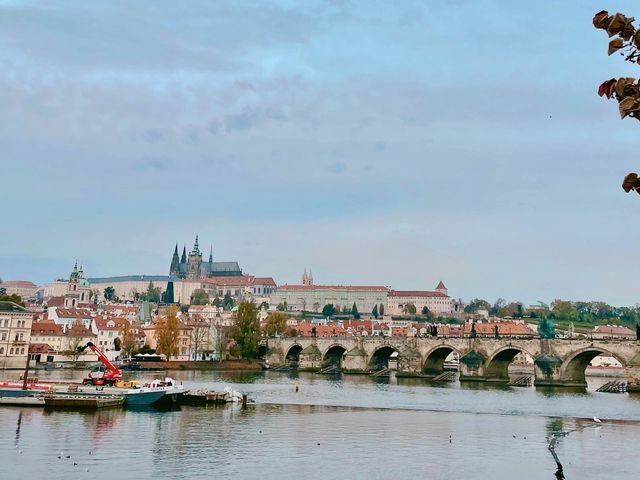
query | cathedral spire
(196,247)
(183,259)
(175,263)
(211,254)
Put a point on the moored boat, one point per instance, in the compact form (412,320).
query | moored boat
(24,401)
(83,401)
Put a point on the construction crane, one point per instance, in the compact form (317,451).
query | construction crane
(106,374)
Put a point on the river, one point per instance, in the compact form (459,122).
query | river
(351,427)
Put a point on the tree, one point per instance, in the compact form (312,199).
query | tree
(282,307)
(426,313)
(246,331)
(75,337)
(316,307)
(199,297)
(500,304)
(276,323)
(128,339)
(374,312)
(167,334)
(477,304)
(381,310)
(221,341)
(328,310)
(264,305)
(625,90)
(198,338)
(354,311)
(227,301)
(409,309)
(152,294)
(217,302)
(546,328)
(109,293)
(15,298)
(564,310)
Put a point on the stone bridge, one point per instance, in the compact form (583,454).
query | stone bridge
(557,362)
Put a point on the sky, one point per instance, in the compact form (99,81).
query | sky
(375,142)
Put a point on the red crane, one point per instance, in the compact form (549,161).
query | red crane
(107,374)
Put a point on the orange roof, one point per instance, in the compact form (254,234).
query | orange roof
(102,323)
(46,327)
(18,283)
(304,329)
(441,286)
(504,328)
(416,293)
(614,330)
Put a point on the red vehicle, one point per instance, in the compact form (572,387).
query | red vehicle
(106,374)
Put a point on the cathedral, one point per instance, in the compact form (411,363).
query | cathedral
(193,266)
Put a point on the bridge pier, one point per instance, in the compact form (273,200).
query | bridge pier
(355,361)
(310,358)
(633,374)
(472,367)
(409,363)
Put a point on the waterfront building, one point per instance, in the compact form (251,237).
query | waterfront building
(241,287)
(47,332)
(107,330)
(128,287)
(15,335)
(24,288)
(619,332)
(437,301)
(193,266)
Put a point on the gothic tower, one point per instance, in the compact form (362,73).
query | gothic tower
(194,261)
(175,263)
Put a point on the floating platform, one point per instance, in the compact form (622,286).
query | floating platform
(26,401)
(83,401)
(199,398)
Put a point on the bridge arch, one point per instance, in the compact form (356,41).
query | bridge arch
(575,365)
(333,355)
(435,358)
(293,354)
(497,366)
(380,357)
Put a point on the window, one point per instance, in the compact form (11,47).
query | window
(1,350)
(22,351)
(11,352)
(4,335)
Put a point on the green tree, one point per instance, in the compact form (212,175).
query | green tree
(199,297)
(477,304)
(374,312)
(246,331)
(546,328)
(354,311)
(625,90)
(328,310)
(426,313)
(409,309)
(564,310)
(282,307)
(227,301)
(109,293)
(15,298)
(167,334)
(276,323)
(381,310)
(217,302)
(264,305)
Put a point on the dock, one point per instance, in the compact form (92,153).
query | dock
(615,386)
(83,401)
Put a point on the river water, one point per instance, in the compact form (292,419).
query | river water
(333,427)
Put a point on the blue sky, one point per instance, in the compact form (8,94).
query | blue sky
(394,143)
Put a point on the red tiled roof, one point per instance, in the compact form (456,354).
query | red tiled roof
(441,286)
(73,313)
(102,323)
(55,302)
(416,293)
(18,283)
(504,328)
(39,348)
(240,280)
(614,330)
(46,327)
(304,329)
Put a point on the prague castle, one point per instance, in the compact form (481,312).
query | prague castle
(193,266)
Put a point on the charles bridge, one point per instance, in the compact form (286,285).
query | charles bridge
(557,362)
